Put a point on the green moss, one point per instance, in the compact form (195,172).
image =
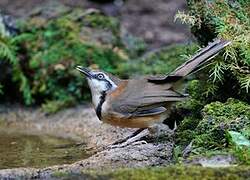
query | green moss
(190,123)
(218,118)
(209,133)
(183,138)
(246,132)
(232,115)
(242,154)
(188,113)
(61,174)
(174,172)
(100,21)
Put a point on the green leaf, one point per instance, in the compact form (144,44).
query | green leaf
(238,139)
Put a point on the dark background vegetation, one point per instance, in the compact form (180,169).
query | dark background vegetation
(41,48)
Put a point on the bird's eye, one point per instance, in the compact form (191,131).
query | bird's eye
(100,76)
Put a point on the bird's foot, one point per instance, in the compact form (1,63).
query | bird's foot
(120,141)
(155,133)
(140,142)
(135,140)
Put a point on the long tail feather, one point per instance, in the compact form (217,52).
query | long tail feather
(194,64)
(201,58)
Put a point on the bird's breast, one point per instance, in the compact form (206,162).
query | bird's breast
(134,122)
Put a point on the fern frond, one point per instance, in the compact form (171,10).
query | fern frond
(186,18)
(211,89)
(24,86)
(245,83)
(217,71)
(7,50)
(8,53)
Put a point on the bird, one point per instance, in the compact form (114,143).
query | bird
(145,101)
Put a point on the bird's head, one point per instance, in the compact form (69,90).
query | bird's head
(99,82)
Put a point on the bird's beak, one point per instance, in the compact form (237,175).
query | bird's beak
(85,71)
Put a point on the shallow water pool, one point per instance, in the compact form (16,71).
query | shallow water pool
(20,150)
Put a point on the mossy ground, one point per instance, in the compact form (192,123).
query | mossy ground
(170,172)
(209,132)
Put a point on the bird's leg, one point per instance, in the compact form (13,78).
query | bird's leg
(152,133)
(132,135)
(133,139)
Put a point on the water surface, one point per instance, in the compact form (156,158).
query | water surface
(20,150)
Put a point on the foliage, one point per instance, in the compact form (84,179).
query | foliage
(241,145)
(211,131)
(44,55)
(8,53)
(218,119)
(228,20)
(238,139)
(242,154)
(205,124)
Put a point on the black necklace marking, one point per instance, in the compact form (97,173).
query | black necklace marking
(99,106)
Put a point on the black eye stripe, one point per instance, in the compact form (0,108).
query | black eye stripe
(108,84)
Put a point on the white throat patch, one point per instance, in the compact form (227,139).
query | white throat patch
(97,88)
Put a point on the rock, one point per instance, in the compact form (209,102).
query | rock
(20,173)
(214,161)
(154,23)
(49,10)
(7,25)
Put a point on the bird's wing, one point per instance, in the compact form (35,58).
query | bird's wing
(142,98)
